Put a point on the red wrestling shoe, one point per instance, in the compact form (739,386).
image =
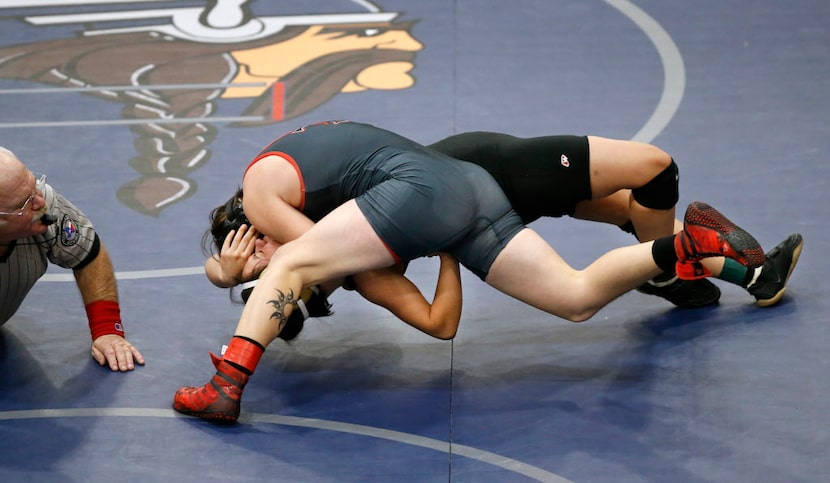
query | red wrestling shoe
(707,233)
(218,400)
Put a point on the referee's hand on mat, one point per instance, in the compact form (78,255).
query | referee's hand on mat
(116,352)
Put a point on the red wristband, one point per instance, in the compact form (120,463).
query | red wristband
(104,318)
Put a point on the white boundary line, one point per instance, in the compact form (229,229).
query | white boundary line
(138,274)
(494,459)
(674,71)
(115,122)
(128,88)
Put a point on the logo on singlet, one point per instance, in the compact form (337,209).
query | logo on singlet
(563,160)
(69,231)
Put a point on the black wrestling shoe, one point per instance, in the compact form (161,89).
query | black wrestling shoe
(778,266)
(682,293)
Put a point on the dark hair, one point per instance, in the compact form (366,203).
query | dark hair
(224,218)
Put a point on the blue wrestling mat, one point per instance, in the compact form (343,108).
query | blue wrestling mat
(145,114)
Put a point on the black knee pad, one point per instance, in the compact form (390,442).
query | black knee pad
(662,192)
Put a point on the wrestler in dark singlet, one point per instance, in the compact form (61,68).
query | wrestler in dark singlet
(446,204)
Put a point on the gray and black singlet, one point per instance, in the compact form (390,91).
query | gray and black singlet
(417,200)
(541,176)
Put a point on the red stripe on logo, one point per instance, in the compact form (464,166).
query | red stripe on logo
(277,101)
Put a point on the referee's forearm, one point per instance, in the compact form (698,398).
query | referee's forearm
(96,280)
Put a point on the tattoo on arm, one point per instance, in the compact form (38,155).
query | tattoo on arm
(280,303)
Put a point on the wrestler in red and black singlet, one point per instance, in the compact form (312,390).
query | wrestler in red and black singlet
(417,200)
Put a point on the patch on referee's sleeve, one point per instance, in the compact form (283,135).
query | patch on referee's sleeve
(69,232)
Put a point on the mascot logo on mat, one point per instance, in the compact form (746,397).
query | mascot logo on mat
(171,66)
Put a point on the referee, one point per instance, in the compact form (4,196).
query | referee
(37,226)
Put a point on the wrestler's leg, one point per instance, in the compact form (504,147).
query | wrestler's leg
(340,244)
(616,168)
(532,271)
(620,167)
(611,209)
(634,185)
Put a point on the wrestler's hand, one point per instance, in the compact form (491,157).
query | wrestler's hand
(117,352)
(239,245)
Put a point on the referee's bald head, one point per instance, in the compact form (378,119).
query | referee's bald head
(14,187)
(9,164)
(6,155)
(10,170)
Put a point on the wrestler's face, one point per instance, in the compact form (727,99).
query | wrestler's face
(264,249)
(22,204)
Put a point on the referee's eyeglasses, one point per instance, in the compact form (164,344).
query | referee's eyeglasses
(40,184)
